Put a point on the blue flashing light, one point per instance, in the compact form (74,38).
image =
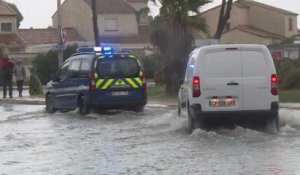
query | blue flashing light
(107,50)
(191,66)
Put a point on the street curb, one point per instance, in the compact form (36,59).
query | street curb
(33,101)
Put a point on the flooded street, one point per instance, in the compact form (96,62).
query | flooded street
(153,142)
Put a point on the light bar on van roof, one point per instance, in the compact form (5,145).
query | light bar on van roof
(101,50)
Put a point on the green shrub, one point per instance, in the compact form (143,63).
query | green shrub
(152,63)
(287,71)
(46,64)
(292,80)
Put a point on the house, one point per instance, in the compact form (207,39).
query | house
(8,29)
(25,44)
(254,22)
(117,21)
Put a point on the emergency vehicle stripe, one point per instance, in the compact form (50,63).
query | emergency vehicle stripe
(139,81)
(96,75)
(141,73)
(132,83)
(132,56)
(95,64)
(108,83)
(99,82)
(139,63)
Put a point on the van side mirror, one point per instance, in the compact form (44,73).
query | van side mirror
(54,78)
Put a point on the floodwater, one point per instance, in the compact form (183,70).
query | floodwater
(153,142)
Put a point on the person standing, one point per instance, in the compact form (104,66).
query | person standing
(20,74)
(7,74)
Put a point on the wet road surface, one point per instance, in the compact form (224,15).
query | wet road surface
(153,142)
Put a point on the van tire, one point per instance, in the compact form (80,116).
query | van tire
(272,124)
(193,121)
(178,109)
(139,108)
(84,106)
(50,104)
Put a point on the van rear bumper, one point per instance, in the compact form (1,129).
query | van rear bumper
(119,104)
(196,110)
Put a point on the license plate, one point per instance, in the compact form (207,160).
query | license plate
(120,93)
(222,102)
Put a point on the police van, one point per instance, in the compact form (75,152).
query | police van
(98,78)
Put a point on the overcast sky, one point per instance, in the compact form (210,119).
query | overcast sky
(38,13)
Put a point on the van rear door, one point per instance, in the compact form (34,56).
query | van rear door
(118,78)
(257,82)
(221,79)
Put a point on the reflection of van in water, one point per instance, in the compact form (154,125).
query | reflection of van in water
(230,79)
(107,81)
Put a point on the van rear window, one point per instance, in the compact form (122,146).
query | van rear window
(226,64)
(117,67)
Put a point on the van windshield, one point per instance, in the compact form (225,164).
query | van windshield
(117,67)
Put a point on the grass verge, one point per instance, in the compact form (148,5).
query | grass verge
(158,92)
(289,96)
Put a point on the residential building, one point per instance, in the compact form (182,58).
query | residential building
(8,29)
(25,44)
(117,21)
(254,22)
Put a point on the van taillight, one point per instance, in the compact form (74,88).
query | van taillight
(196,87)
(92,82)
(274,84)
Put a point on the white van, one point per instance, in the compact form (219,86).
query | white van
(230,79)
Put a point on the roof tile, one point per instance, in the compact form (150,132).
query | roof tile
(11,39)
(256,31)
(5,10)
(48,36)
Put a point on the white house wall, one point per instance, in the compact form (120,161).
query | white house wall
(293,32)
(127,25)
(77,14)
(263,19)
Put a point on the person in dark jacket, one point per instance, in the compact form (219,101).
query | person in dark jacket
(7,67)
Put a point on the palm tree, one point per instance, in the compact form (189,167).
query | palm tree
(172,33)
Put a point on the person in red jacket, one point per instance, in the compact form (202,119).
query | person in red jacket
(7,67)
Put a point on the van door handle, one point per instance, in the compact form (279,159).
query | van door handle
(232,83)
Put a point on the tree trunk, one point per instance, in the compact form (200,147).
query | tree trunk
(173,75)
(95,23)
(223,18)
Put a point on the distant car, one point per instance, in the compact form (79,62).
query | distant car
(230,81)
(97,78)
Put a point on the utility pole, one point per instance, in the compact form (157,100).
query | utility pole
(95,23)
(59,28)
